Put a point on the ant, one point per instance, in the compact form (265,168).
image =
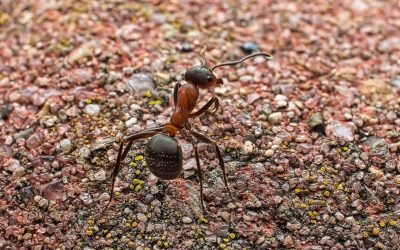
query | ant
(163,154)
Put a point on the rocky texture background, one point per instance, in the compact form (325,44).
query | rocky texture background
(310,139)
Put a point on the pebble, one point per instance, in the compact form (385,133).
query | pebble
(339,216)
(86,198)
(340,131)
(34,141)
(249,47)
(84,152)
(141,82)
(281,101)
(316,121)
(269,153)
(92,109)
(104,197)
(187,149)
(186,220)
(65,145)
(248,148)
(100,175)
(142,217)
(23,134)
(377,146)
(131,122)
(275,118)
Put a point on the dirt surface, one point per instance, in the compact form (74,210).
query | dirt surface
(310,139)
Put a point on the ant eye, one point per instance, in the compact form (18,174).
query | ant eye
(209,78)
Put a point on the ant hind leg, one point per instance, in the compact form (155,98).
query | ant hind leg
(122,153)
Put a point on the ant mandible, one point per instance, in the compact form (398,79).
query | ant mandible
(163,154)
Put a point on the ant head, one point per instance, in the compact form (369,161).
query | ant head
(201,77)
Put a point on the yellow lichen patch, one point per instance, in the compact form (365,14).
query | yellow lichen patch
(202,219)
(155,102)
(382,223)
(376,231)
(297,191)
(232,236)
(147,94)
(392,222)
(327,193)
(139,157)
(138,187)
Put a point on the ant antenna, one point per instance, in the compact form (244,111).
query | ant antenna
(202,56)
(268,56)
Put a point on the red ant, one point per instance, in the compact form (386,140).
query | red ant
(163,154)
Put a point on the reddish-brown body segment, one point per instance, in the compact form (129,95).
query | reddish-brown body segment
(187,97)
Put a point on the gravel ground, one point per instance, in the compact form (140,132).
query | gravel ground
(310,139)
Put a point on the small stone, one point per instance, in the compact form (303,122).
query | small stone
(185,47)
(34,141)
(86,198)
(5,111)
(92,109)
(187,149)
(65,145)
(43,202)
(293,226)
(275,118)
(100,175)
(248,148)
(141,82)
(339,216)
(186,220)
(269,153)
(104,197)
(249,47)
(340,130)
(281,101)
(54,190)
(316,122)
(288,241)
(84,152)
(23,134)
(252,98)
(131,122)
(142,217)
(377,146)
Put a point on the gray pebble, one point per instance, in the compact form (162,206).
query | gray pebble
(65,145)
(92,109)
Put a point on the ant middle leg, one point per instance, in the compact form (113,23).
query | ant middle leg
(206,139)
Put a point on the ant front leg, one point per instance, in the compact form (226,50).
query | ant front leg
(203,109)
(205,139)
(122,153)
(176,91)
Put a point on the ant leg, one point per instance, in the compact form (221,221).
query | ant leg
(212,101)
(204,138)
(200,172)
(176,90)
(122,154)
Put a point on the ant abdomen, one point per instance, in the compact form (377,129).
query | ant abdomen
(164,157)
